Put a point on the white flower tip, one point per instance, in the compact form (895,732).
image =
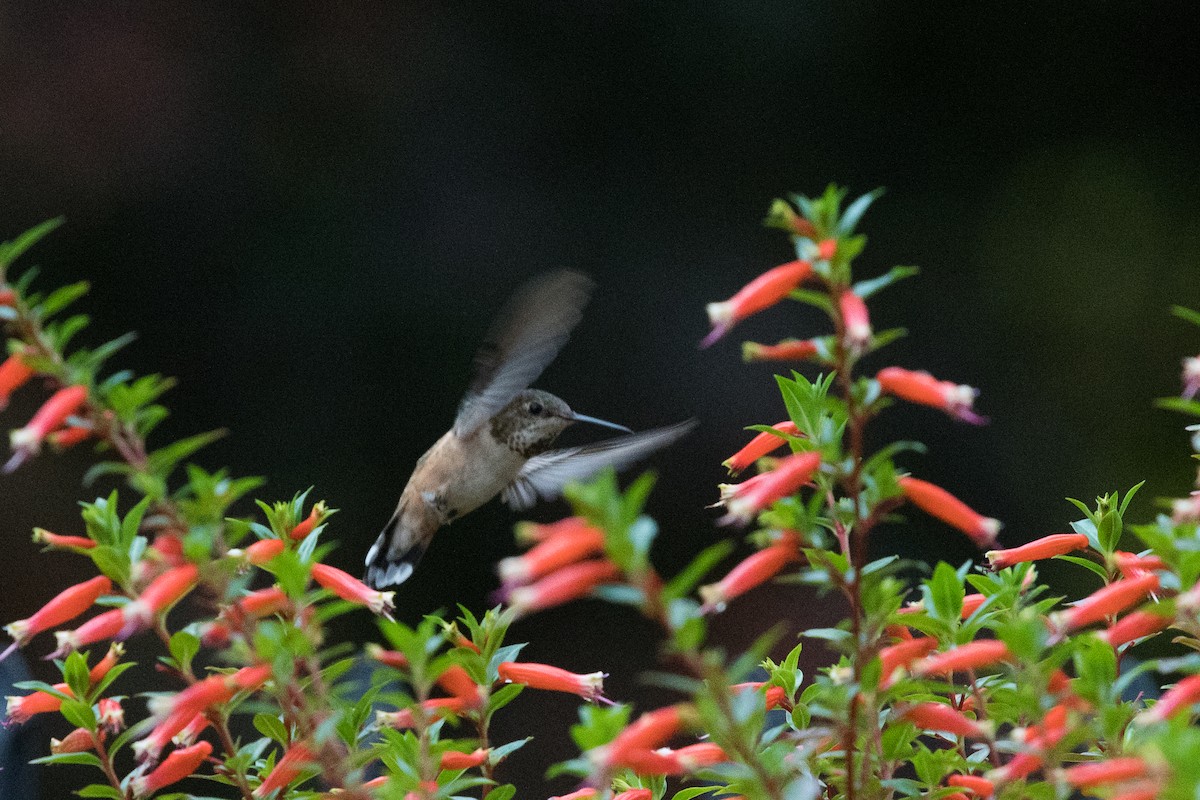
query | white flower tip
(512,570)
(720,314)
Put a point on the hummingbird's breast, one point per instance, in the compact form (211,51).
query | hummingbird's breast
(464,473)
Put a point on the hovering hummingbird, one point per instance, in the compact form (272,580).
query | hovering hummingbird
(501,439)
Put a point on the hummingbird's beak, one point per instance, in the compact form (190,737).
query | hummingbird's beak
(585,418)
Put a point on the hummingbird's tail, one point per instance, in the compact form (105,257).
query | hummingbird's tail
(385,568)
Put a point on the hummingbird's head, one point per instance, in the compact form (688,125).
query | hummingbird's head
(534,419)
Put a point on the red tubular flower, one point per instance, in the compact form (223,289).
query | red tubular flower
(314,518)
(168,546)
(558,551)
(43,536)
(1019,766)
(762,444)
(458,682)
(1135,626)
(787,350)
(191,731)
(28,440)
(212,691)
(454,759)
(634,794)
(745,500)
(350,588)
(436,708)
(1130,563)
(763,292)
(651,762)
(585,793)
(752,572)
(552,679)
(66,438)
(701,754)
(1180,697)
(261,552)
(533,532)
(157,598)
(647,732)
(941,717)
(857,321)
(901,655)
(1056,544)
(567,584)
(65,606)
(827,249)
(1113,770)
(14,373)
(924,389)
(937,502)
(8,297)
(177,766)
(1142,790)
(972,655)
(97,629)
(1110,600)
(391,658)
(976,784)
(297,757)
(79,740)
(261,603)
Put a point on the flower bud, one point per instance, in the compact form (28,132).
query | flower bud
(43,536)
(857,321)
(922,388)
(66,438)
(455,759)
(976,784)
(787,350)
(941,717)
(110,714)
(762,444)
(297,757)
(14,373)
(310,523)
(79,740)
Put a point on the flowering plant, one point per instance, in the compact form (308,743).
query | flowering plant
(983,685)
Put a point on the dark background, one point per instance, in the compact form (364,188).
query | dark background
(310,211)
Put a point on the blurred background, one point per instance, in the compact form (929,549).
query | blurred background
(311,211)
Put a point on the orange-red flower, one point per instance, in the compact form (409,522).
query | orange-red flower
(1130,563)
(634,794)
(391,658)
(941,717)
(436,708)
(972,655)
(976,784)
(566,547)
(937,502)
(1134,626)
(110,714)
(922,388)
(314,518)
(1112,770)
(455,759)
(1109,600)
(827,249)
(261,552)
(1180,697)
(8,297)
(562,586)
(23,707)
(648,732)
(178,765)
(533,532)
(43,536)
(350,588)
(745,500)
(297,757)
(902,654)
(65,606)
(585,793)
(763,292)
(752,572)
(1056,544)
(162,593)
(857,321)
(79,740)
(66,438)
(14,373)
(97,629)
(762,444)
(553,679)
(53,413)
(1142,790)
(787,350)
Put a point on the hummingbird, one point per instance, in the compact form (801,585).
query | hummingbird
(501,440)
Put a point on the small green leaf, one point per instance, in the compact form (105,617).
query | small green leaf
(184,647)
(504,792)
(1186,314)
(1085,563)
(11,251)
(693,573)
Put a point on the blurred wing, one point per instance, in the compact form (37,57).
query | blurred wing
(544,476)
(526,337)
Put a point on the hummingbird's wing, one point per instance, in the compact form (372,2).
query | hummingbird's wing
(544,476)
(526,337)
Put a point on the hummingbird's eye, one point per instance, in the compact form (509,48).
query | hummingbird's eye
(535,408)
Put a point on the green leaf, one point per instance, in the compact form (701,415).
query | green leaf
(61,298)
(1186,314)
(100,790)
(504,792)
(854,212)
(162,461)
(865,289)
(1179,404)
(184,647)
(693,791)
(946,593)
(89,759)
(11,251)
(75,673)
(1085,563)
(684,582)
